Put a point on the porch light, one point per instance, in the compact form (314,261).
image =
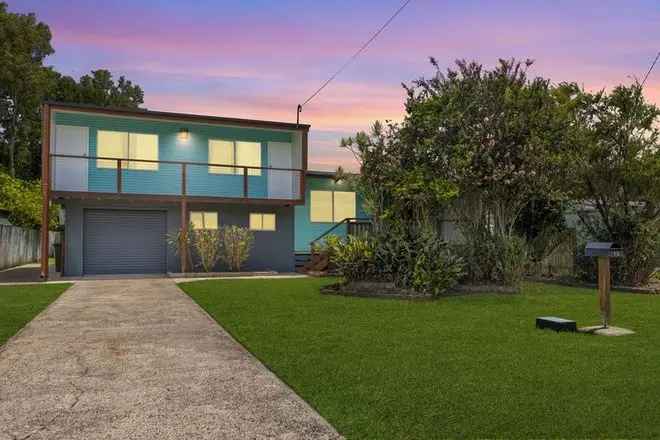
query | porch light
(184,134)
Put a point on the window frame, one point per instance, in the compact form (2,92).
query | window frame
(204,214)
(333,219)
(234,168)
(127,163)
(261,216)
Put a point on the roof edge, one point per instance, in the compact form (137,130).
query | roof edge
(173,116)
(319,173)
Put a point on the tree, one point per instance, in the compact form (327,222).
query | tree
(496,136)
(496,132)
(25,83)
(23,201)
(97,89)
(24,43)
(612,151)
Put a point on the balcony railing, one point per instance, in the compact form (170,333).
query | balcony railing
(125,176)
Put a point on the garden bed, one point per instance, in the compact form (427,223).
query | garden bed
(220,274)
(373,289)
(651,289)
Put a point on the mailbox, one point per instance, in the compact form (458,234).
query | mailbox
(602,249)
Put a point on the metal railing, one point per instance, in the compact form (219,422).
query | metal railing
(354,226)
(111,175)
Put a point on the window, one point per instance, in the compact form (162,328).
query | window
(236,153)
(123,145)
(344,206)
(320,206)
(262,222)
(145,147)
(204,219)
(331,206)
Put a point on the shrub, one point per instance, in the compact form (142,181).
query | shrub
(640,255)
(512,258)
(422,262)
(493,259)
(235,245)
(207,247)
(328,246)
(23,201)
(354,258)
(436,268)
(181,241)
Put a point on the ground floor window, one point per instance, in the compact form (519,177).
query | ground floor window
(331,206)
(204,219)
(262,222)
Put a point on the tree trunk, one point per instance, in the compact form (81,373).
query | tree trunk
(12,155)
(12,139)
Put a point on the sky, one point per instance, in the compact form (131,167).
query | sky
(259,58)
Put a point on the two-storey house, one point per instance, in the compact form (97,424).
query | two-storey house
(126,179)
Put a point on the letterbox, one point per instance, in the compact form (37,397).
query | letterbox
(602,249)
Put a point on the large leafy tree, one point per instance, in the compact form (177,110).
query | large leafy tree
(495,132)
(25,83)
(612,151)
(475,142)
(24,43)
(97,88)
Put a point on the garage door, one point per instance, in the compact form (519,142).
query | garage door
(119,242)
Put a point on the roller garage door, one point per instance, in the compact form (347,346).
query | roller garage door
(124,241)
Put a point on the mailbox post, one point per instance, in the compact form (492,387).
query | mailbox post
(604,251)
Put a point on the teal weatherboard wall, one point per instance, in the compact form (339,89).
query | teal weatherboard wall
(167,179)
(306,230)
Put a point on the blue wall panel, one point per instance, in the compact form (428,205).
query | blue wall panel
(306,231)
(167,179)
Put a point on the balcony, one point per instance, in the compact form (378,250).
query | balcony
(163,180)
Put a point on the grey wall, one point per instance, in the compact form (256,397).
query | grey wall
(271,250)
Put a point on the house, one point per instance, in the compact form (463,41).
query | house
(125,179)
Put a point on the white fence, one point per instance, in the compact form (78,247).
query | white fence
(21,246)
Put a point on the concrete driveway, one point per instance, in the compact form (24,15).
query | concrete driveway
(138,359)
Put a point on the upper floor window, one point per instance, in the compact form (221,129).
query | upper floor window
(204,219)
(236,153)
(262,222)
(331,206)
(122,145)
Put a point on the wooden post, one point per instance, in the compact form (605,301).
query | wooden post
(245,182)
(183,253)
(604,285)
(183,179)
(118,176)
(45,187)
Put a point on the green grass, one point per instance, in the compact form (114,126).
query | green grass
(470,366)
(20,303)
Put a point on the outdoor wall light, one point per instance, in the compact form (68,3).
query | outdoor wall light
(184,134)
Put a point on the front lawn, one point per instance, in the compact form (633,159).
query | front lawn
(471,366)
(20,303)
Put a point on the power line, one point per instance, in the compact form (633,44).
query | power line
(650,69)
(353,57)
